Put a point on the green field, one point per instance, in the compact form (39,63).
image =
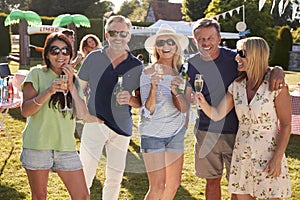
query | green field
(14,184)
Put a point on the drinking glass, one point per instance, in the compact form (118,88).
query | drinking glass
(65,86)
(198,84)
(160,71)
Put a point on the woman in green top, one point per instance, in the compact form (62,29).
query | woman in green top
(48,137)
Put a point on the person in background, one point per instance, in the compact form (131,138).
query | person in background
(112,126)
(163,120)
(77,56)
(215,140)
(258,167)
(48,137)
(89,43)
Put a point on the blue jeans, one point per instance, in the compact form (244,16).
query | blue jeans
(50,159)
(174,143)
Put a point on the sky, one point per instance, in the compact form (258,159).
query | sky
(119,2)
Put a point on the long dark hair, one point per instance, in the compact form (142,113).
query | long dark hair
(57,100)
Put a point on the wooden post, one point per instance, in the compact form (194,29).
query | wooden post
(73,27)
(24,43)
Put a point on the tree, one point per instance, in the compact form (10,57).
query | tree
(57,7)
(135,10)
(98,9)
(194,9)
(260,23)
(283,44)
(128,7)
(7,5)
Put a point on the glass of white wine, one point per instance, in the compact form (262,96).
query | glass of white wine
(65,86)
(198,84)
(160,71)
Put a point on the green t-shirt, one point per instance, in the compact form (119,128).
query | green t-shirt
(48,129)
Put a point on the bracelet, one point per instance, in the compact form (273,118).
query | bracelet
(176,95)
(35,102)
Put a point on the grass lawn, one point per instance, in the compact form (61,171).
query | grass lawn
(14,184)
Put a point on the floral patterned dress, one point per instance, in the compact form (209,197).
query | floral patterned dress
(255,144)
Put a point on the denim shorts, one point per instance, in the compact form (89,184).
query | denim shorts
(50,159)
(174,143)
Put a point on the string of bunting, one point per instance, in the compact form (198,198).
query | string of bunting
(230,12)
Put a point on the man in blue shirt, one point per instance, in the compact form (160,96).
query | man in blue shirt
(111,124)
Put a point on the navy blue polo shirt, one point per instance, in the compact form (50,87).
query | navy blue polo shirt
(218,75)
(118,118)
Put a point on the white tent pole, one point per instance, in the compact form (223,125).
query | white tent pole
(244,13)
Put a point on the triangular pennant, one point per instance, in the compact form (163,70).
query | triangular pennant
(280,7)
(238,10)
(261,4)
(224,15)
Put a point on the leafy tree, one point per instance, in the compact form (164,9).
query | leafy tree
(194,9)
(98,9)
(135,10)
(7,5)
(283,44)
(260,23)
(57,7)
(128,7)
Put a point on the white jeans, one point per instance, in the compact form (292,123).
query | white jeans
(94,137)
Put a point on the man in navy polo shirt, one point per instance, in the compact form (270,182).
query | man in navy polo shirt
(111,122)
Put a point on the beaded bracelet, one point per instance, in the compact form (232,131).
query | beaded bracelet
(35,102)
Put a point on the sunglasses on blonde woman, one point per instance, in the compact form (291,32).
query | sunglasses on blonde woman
(241,53)
(160,43)
(55,50)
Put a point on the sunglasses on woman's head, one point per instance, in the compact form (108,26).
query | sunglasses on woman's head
(55,50)
(122,34)
(242,53)
(160,43)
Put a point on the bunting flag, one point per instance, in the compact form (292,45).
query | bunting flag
(261,4)
(282,5)
(230,12)
(294,13)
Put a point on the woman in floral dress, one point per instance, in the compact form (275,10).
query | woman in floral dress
(259,168)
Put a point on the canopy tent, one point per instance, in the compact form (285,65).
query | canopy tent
(179,26)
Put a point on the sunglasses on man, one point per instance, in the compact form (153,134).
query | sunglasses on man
(122,34)
(161,43)
(55,50)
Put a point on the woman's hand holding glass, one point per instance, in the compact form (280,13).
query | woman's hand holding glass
(66,79)
(157,76)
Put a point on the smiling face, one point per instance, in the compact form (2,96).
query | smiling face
(241,60)
(165,46)
(207,40)
(59,60)
(118,42)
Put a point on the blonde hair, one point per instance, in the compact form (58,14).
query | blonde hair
(177,58)
(257,55)
(118,18)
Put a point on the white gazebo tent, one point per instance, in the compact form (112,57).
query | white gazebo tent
(179,26)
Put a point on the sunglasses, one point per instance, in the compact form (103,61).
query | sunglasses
(55,50)
(242,53)
(122,34)
(161,43)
